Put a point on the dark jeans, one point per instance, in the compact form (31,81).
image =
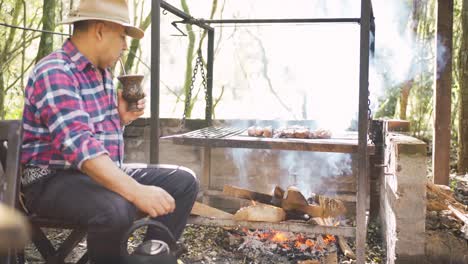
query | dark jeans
(74,197)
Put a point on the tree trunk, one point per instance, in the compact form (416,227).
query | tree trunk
(46,44)
(2,97)
(189,60)
(404,95)
(443,94)
(406,87)
(463,94)
(135,44)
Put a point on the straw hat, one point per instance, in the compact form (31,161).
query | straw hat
(107,10)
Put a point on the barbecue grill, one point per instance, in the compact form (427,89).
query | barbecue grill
(231,137)
(214,137)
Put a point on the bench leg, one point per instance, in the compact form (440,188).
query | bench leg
(67,246)
(48,251)
(84,259)
(41,242)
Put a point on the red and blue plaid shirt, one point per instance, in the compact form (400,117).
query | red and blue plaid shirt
(70,113)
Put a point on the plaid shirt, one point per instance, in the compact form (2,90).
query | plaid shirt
(70,113)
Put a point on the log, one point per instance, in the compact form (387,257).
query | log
(437,195)
(247,194)
(309,261)
(462,216)
(291,200)
(278,194)
(294,200)
(345,248)
(208,211)
(331,207)
(260,213)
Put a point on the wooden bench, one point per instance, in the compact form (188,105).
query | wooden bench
(10,146)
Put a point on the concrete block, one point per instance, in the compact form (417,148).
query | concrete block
(403,199)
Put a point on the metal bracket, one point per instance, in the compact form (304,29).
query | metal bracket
(182,34)
(381,165)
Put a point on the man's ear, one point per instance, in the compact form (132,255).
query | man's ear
(99,28)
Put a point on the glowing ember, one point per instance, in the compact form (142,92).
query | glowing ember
(328,239)
(279,237)
(293,246)
(288,241)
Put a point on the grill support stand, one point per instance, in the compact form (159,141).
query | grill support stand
(363,123)
(366,26)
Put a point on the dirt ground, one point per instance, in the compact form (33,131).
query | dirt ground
(216,245)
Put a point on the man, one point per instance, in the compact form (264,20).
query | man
(73,141)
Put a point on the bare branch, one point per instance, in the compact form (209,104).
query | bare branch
(266,76)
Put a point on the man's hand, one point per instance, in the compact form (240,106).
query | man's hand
(153,200)
(127,117)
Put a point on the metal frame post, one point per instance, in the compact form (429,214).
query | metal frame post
(155,75)
(209,77)
(363,162)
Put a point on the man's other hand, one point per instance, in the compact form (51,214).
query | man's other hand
(153,200)
(127,117)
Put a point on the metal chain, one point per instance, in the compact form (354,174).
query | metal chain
(205,87)
(188,99)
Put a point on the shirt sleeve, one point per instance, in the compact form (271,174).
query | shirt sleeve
(58,101)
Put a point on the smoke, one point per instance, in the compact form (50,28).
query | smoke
(294,71)
(442,57)
(306,170)
(241,159)
(396,47)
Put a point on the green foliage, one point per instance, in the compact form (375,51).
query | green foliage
(387,104)
(17,52)
(18,49)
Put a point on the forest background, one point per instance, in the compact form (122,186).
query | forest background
(279,72)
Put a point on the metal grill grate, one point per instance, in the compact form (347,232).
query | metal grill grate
(214,132)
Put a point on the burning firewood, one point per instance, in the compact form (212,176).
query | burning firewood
(331,207)
(294,200)
(247,194)
(260,213)
(326,207)
(291,200)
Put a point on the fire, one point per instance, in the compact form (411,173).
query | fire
(302,243)
(288,241)
(329,239)
(280,237)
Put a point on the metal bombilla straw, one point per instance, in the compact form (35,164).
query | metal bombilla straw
(122,66)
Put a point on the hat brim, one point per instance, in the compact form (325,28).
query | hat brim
(130,30)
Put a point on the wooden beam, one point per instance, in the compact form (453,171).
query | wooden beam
(442,95)
(288,226)
(208,211)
